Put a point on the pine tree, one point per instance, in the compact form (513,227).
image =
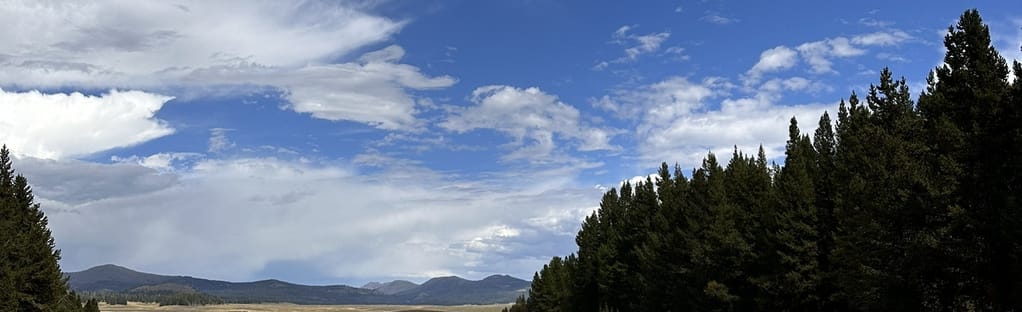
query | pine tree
(91,306)
(968,119)
(825,146)
(584,281)
(797,231)
(30,276)
(520,305)
(552,286)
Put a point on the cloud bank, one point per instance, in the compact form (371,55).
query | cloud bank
(201,45)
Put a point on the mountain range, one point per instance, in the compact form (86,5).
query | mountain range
(449,290)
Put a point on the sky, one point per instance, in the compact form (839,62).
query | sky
(342,142)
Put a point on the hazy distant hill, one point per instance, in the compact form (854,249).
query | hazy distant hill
(444,290)
(392,287)
(456,290)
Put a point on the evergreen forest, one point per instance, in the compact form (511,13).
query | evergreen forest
(895,205)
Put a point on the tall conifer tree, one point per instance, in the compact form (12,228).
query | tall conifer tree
(30,276)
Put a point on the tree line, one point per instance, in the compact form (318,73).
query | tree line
(162,298)
(895,206)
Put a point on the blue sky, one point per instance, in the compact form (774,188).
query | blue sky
(345,142)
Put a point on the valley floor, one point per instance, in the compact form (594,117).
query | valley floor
(284,307)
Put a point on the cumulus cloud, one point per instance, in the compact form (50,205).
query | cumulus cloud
(680,120)
(535,120)
(324,215)
(771,60)
(818,54)
(206,44)
(60,125)
(662,100)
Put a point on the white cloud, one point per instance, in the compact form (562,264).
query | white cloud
(647,43)
(622,32)
(893,58)
(218,141)
(386,55)
(164,162)
(882,38)
(535,121)
(638,45)
(818,54)
(872,22)
(130,41)
(325,215)
(60,125)
(662,101)
(679,121)
(202,44)
(716,18)
(774,59)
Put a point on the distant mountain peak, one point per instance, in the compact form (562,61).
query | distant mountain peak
(446,278)
(109,267)
(392,287)
(498,276)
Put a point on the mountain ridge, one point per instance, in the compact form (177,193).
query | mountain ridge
(391,287)
(447,290)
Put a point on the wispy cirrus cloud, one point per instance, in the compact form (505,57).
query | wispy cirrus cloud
(637,45)
(716,18)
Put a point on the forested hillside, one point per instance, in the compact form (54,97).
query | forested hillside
(895,206)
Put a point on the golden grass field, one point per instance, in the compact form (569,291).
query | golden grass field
(284,307)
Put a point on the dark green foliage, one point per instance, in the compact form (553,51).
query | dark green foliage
(895,207)
(91,306)
(520,305)
(162,298)
(552,286)
(969,105)
(30,276)
(797,274)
